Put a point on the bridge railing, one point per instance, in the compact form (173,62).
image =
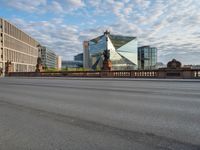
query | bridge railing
(196,73)
(181,73)
(108,74)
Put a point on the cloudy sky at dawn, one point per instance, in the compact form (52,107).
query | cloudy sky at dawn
(173,26)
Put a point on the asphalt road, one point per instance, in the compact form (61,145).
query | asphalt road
(102,114)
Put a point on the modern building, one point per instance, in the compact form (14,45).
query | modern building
(58,62)
(49,58)
(18,47)
(123,52)
(71,64)
(78,57)
(147,58)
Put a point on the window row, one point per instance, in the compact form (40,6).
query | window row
(19,46)
(24,68)
(15,32)
(19,57)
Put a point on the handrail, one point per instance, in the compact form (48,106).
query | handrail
(192,73)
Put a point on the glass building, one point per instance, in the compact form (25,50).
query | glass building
(71,64)
(123,52)
(79,57)
(147,58)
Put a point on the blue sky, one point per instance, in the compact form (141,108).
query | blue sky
(173,26)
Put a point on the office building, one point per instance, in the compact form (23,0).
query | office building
(17,47)
(123,52)
(86,54)
(78,57)
(147,58)
(48,57)
(71,64)
(58,62)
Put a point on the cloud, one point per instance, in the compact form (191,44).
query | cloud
(63,39)
(56,7)
(45,6)
(75,3)
(170,25)
(24,5)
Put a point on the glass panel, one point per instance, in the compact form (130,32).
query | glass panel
(119,41)
(131,46)
(97,45)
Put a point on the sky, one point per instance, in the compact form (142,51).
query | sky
(173,26)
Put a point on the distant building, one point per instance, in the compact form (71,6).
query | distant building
(123,51)
(78,57)
(160,65)
(18,47)
(147,57)
(86,57)
(49,58)
(195,67)
(58,62)
(71,64)
(192,66)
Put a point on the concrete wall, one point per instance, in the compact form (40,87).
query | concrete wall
(17,47)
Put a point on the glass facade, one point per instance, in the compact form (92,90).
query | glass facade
(123,52)
(147,57)
(79,57)
(71,64)
(97,45)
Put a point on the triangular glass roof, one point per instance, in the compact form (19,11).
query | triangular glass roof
(119,41)
(96,40)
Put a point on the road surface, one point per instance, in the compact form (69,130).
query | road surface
(99,114)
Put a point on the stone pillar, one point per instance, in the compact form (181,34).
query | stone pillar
(8,68)
(39,67)
(107,65)
(1,71)
(175,70)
